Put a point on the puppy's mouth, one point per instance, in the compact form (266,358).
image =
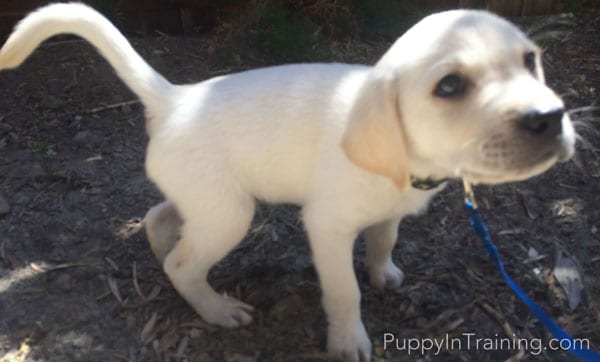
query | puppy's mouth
(497,176)
(508,164)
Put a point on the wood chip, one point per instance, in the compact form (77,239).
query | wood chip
(567,274)
(533,255)
(45,267)
(103,295)
(515,231)
(156,348)
(148,328)
(154,293)
(135,282)
(237,357)
(508,331)
(4,206)
(453,325)
(182,346)
(111,106)
(112,263)
(130,227)
(525,203)
(114,289)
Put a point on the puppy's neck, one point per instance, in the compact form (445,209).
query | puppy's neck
(426,184)
(425,175)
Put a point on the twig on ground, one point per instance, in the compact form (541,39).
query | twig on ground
(44,267)
(136,285)
(508,331)
(111,106)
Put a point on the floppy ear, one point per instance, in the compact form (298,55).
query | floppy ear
(374,139)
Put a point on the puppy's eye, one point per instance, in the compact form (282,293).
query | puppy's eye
(451,85)
(529,61)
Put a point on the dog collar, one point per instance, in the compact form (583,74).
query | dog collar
(425,183)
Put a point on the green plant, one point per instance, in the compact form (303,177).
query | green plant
(269,29)
(574,6)
(288,37)
(384,19)
(307,30)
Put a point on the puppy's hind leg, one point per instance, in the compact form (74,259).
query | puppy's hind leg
(211,230)
(381,239)
(163,226)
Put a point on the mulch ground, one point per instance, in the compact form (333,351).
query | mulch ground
(78,281)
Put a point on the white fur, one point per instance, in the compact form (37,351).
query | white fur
(341,140)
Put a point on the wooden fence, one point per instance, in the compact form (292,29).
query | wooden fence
(182,16)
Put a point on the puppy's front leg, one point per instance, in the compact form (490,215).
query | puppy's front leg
(381,239)
(347,338)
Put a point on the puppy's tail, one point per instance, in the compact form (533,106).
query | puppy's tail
(87,23)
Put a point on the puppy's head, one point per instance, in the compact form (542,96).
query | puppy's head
(464,96)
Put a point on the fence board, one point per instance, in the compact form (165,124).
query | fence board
(539,7)
(177,16)
(506,8)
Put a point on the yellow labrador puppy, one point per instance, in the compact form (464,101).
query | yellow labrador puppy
(460,95)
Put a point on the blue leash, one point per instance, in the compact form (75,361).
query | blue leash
(576,349)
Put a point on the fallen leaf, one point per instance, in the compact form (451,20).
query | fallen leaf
(237,357)
(114,288)
(532,253)
(182,346)
(148,328)
(567,275)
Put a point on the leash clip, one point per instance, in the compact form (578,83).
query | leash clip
(469,194)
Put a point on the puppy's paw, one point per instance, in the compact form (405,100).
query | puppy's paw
(387,276)
(349,344)
(227,312)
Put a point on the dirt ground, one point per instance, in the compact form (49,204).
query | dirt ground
(78,281)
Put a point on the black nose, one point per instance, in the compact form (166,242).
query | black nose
(546,124)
